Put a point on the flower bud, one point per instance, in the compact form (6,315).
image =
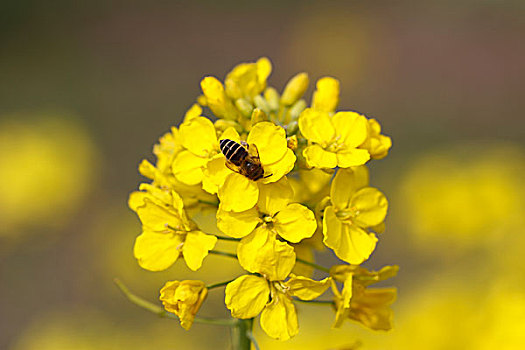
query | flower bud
(272,96)
(183,299)
(295,89)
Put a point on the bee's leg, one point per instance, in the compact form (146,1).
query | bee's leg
(231,167)
(264,177)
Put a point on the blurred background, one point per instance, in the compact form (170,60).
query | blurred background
(89,87)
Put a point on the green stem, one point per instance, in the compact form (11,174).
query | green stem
(250,336)
(215,204)
(216,252)
(314,265)
(217,285)
(135,299)
(228,238)
(241,334)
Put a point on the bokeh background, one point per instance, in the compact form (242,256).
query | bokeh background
(88,87)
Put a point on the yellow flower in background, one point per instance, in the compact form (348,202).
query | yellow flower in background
(464,196)
(368,306)
(184,299)
(355,209)
(249,296)
(238,193)
(48,166)
(334,140)
(167,232)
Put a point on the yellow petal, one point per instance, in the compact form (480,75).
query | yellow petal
(238,193)
(352,157)
(326,95)
(279,318)
(196,248)
(247,296)
(198,136)
(215,96)
(275,171)
(187,167)
(350,243)
(295,223)
(316,126)
(295,89)
(237,224)
(260,252)
(371,206)
(157,218)
(379,146)
(317,157)
(157,251)
(270,140)
(136,199)
(192,113)
(352,127)
(231,134)
(345,183)
(305,288)
(147,169)
(372,308)
(275,196)
(214,174)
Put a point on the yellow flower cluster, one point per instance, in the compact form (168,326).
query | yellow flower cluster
(264,162)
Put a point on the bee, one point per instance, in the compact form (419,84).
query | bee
(243,159)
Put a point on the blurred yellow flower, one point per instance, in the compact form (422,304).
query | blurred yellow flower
(355,209)
(184,299)
(48,165)
(249,295)
(464,196)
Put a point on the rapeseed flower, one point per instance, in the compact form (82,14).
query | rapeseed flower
(334,141)
(368,306)
(271,296)
(356,209)
(296,205)
(259,227)
(167,232)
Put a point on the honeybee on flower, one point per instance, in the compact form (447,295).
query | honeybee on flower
(282,178)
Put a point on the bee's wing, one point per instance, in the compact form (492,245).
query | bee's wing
(253,151)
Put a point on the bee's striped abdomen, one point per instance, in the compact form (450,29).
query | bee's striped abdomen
(233,151)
